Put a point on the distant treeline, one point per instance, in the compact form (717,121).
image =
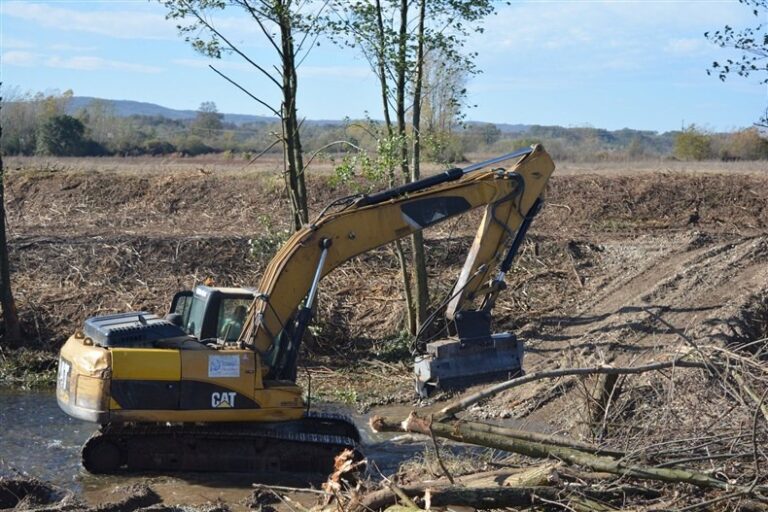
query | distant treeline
(40,125)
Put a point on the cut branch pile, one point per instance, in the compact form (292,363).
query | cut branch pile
(718,470)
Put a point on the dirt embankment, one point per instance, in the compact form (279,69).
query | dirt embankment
(94,242)
(618,270)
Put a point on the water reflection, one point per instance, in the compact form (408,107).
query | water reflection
(37,438)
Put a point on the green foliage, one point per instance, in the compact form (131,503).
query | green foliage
(208,118)
(375,153)
(394,350)
(693,144)
(363,172)
(750,42)
(264,246)
(62,135)
(346,395)
(157,147)
(23,114)
(636,150)
(28,369)
(444,147)
(193,146)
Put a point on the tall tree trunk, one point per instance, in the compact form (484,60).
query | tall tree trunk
(410,310)
(417,239)
(10,318)
(292,141)
(400,81)
(402,64)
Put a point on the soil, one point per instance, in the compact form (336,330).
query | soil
(620,268)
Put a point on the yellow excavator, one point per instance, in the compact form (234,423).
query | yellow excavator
(211,386)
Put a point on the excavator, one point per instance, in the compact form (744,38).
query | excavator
(211,386)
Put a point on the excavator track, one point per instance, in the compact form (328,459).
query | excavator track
(298,447)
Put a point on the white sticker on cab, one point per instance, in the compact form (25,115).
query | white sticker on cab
(223,366)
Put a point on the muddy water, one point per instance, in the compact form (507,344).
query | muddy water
(36,437)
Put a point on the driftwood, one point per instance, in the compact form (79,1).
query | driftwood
(463,432)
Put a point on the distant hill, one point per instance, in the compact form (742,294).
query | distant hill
(126,108)
(505,128)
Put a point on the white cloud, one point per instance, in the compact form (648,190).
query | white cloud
(88,63)
(19,58)
(125,24)
(12,43)
(72,48)
(588,25)
(688,46)
(141,22)
(81,62)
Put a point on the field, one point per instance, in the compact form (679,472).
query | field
(629,263)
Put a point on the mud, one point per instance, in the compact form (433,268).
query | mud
(620,268)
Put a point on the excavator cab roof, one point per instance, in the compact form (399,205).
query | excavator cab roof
(204,290)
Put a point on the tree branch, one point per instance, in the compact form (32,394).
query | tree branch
(231,46)
(451,409)
(225,77)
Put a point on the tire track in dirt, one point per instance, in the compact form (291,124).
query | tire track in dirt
(642,309)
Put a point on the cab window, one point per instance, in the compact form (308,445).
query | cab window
(231,318)
(182,306)
(193,322)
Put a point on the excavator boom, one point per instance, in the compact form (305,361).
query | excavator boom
(274,325)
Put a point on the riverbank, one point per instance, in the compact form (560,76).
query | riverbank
(619,270)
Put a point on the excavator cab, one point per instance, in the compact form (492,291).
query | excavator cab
(209,313)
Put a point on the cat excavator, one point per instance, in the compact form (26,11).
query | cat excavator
(211,386)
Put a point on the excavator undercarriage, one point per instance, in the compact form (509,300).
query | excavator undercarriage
(306,446)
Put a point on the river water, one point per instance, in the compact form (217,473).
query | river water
(37,438)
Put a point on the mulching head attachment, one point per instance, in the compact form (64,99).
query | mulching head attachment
(475,356)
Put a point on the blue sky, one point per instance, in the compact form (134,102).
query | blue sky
(636,64)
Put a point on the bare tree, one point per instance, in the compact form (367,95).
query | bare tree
(10,318)
(279,21)
(396,41)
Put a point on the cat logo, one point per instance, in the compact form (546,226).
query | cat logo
(224,399)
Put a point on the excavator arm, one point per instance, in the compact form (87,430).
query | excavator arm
(277,319)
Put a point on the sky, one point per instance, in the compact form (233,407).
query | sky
(619,64)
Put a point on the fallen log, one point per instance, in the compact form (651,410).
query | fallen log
(462,432)
(530,477)
(540,438)
(480,498)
